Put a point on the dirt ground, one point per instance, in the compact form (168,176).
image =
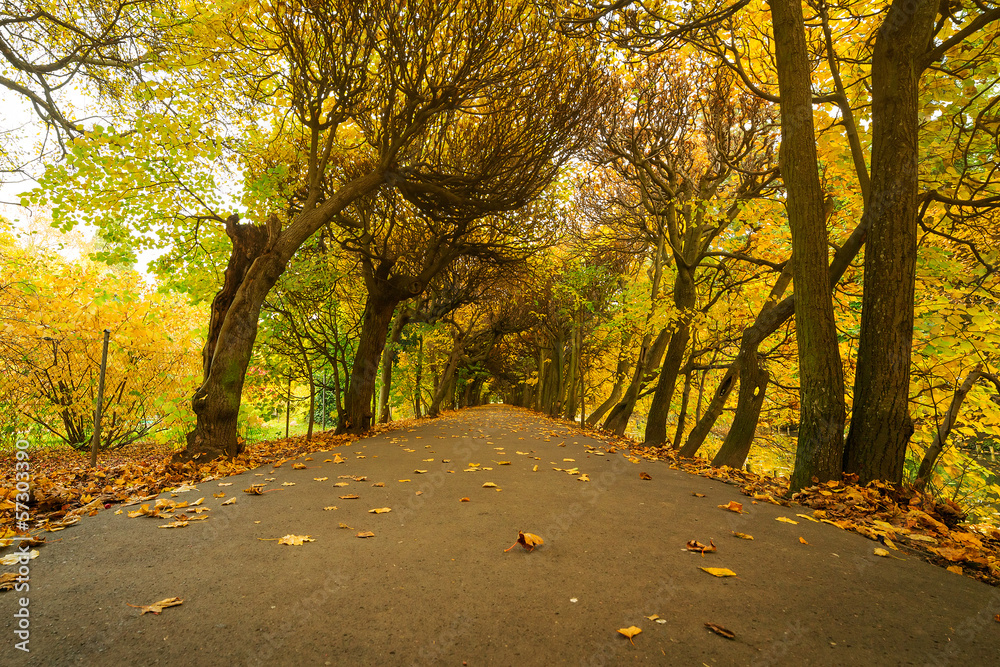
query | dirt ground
(434,585)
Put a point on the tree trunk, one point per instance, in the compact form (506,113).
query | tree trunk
(288,405)
(387,360)
(820,447)
(944,429)
(216,403)
(617,420)
(753,382)
(417,378)
(701,430)
(880,423)
(682,414)
(616,391)
(446,385)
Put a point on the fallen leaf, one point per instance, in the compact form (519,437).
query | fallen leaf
(719,571)
(255,490)
(464,500)
(225,483)
(379,484)
(807,517)
(231,501)
(157,607)
(331,507)
(653,617)
(697,495)
(785,519)
(174,524)
(366,533)
(489,485)
(358,478)
(957,569)
(350,496)
(299,466)
(803,540)
(420,472)
(320,479)
(721,631)
(342,484)
(288,483)
(694,545)
(569,460)
(630,632)
(380,510)
(8,580)
(503,463)
(742,536)
(583,478)
(197,502)
(219,495)
(295,540)
(881,552)
(15,558)
(733,506)
(344,525)
(403,480)
(535,469)
(645,475)
(526,540)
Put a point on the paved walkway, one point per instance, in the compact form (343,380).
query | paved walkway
(434,585)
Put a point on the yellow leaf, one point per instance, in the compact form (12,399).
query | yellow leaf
(380,510)
(719,571)
(366,533)
(957,569)
(630,632)
(331,507)
(785,519)
(197,502)
(742,536)
(420,472)
(489,485)
(231,501)
(404,480)
(342,484)
(733,506)
(503,463)
(157,607)
(295,540)
(653,617)
(350,496)
(802,540)
(881,552)
(535,469)
(808,518)
(320,479)
(527,540)
(299,466)
(583,478)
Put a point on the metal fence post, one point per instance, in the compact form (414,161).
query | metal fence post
(99,406)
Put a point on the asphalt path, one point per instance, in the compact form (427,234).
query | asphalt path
(435,585)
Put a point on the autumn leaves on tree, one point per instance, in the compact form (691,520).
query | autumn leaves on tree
(606,211)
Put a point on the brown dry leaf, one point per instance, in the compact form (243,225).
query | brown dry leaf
(366,533)
(331,507)
(489,485)
(742,536)
(527,540)
(157,607)
(255,490)
(644,475)
(464,500)
(694,545)
(653,617)
(957,569)
(697,495)
(174,524)
(8,580)
(350,496)
(219,495)
(719,571)
(359,478)
(231,501)
(802,540)
(785,519)
(379,484)
(630,632)
(733,506)
(380,510)
(344,525)
(298,466)
(721,631)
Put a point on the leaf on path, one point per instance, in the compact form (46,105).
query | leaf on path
(653,617)
(697,495)
(299,466)
(225,483)
(569,460)
(174,524)
(630,632)
(733,506)
(358,478)
(802,540)
(742,536)
(721,631)
(645,475)
(694,545)
(366,533)
(881,552)
(288,483)
(184,488)
(320,479)
(403,480)
(219,495)
(15,558)
(719,571)
(489,485)
(785,519)
(197,502)
(527,540)
(808,518)
(344,525)
(464,500)
(535,469)
(331,507)
(583,478)
(157,607)
(420,472)
(255,490)
(350,496)
(957,569)
(342,484)
(427,460)
(8,580)
(295,540)
(231,501)
(379,484)
(503,463)
(380,510)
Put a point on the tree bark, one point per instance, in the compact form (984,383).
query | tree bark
(387,361)
(820,445)
(880,423)
(753,382)
(417,378)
